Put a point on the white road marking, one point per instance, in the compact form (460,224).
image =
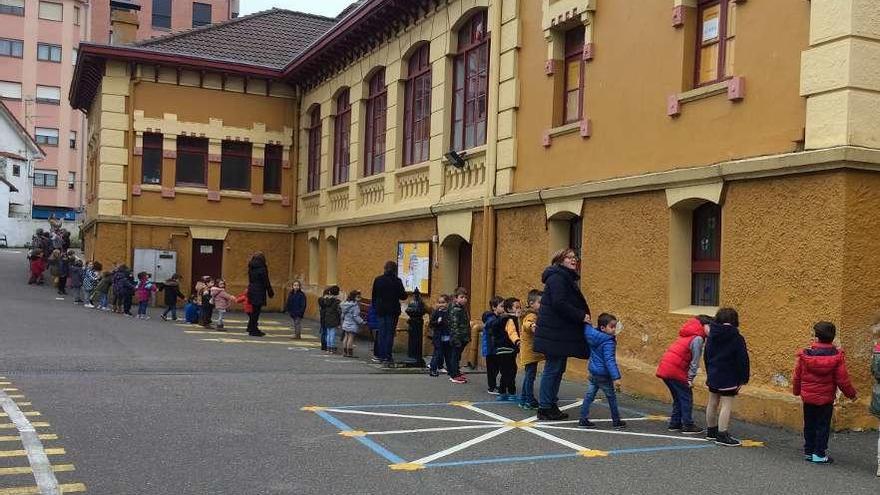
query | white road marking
(556,439)
(618,432)
(462,446)
(487,413)
(410,416)
(425,430)
(42,469)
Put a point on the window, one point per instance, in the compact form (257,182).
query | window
(45,135)
(10,90)
(716,34)
(151,159)
(11,48)
(417,111)
(192,161)
(573,109)
(313,180)
(377,105)
(73,56)
(235,166)
(706,255)
(272,169)
(16,170)
(342,138)
(48,53)
(71,181)
(162,14)
(201,14)
(470,84)
(76,14)
(12,7)
(51,11)
(73,140)
(45,178)
(576,237)
(49,94)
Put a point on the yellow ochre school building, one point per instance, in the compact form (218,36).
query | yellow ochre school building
(696,153)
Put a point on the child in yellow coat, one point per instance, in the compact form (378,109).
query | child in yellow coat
(528,358)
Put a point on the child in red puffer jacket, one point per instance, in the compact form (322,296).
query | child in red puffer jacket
(678,368)
(820,371)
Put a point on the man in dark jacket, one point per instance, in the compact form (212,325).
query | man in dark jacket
(560,331)
(387,293)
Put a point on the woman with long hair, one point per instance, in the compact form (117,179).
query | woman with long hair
(258,288)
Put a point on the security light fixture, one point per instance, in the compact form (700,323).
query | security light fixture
(456,158)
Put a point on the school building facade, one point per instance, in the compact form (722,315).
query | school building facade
(696,153)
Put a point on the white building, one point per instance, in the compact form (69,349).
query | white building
(18,154)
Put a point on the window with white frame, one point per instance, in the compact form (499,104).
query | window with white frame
(71,180)
(10,90)
(45,178)
(73,140)
(73,56)
(16,170)
(48,53)
(51,11)
(49,94)
(11,48)
(47,136)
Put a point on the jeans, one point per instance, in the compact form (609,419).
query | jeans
(817,428)
(253,325)
(323,338)
(220,314)
(331,338)
(142,308)
(387,329)
(682,403)
(551,378)
(607,386)
(530,372)
(453,361)
(492,372)
(103,299)
(171,309)
(442,354)
(507,367)
(297,327)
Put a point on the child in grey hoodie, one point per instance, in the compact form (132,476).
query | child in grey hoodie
(351,321)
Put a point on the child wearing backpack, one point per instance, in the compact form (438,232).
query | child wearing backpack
(528,358)
(727,370)
(351,321)
(460,335)
(487,347)
(678,368)
(505,336)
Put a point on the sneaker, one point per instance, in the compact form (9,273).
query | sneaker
(512,398)
(808,457)
(551,414)
(441,370)
(492,391)
(692,430)
(462,378)
(459,380)
(821,460)
(527,406)
(502,398)
(620,425)
(88,305)
(433,373)
(726,440)
(220,329)
(145,317)
(673,427)
(561,415)
(373,359)
(586,423)
(164,318)
(711,433)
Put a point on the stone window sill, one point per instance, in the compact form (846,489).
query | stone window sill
(734,87)
(475,152)
(695,310)
(195,191)
(340,187)
(564,129)
(583,127)
(273,197)
(309,195)
(228,193)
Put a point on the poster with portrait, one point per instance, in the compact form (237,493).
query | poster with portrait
(414,265)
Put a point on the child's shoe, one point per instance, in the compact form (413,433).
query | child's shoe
(492,391)
(673,427)
(462,378)
(821,460)
(88,305)
(691,430)
(808,457)
(586,423)
(724,439)
(512,398)
(433,373)
(529,406)
(164,318)
(620,425)
(711,433)
(502,398)
(458,379)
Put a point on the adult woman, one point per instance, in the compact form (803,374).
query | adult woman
(560,331)
(258,286)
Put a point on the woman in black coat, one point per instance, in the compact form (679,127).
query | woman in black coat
(560,331)
(258,287)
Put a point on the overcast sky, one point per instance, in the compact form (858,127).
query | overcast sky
(323,7)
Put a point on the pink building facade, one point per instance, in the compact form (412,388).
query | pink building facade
(161,17)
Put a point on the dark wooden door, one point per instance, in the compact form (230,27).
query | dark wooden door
(464,265)
(207,259)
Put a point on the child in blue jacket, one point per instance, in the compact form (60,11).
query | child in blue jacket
(191,310)
(487,346)
(604,373)
(296,307)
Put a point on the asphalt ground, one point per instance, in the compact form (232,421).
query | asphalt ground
(153,407)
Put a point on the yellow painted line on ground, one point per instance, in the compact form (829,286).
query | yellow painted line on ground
(35,424)
(16,396)
(264,342)
(23,403)
(23,453)
(28,413)
(33,490)
(58,468)
(9,389)
(14,438)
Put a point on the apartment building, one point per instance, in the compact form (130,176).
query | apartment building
(161,17)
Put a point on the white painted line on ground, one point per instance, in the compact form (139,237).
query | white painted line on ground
(426,430)
(42,469)
(462,446)
(410,416)
(574,421)
(563,408)
(487,413)
(556,439)
(618,432)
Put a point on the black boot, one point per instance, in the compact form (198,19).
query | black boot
(711,433)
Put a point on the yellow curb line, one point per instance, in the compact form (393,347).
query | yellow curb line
(353,433)
(58,468)
(33,490)
(406,466)
(312,408)
(593,453)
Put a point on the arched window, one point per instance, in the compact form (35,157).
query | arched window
(417,107)
(342,138)
(377,104)
(706,255)
(313,181)
(573,110)
(471,84)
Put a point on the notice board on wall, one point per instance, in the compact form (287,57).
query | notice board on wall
(414,265)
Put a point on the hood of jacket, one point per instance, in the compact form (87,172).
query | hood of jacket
(723,334)
(347,305)
(821,360)
(559,270)
(692,328)
(488,315)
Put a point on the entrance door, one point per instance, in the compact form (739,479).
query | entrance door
(207,259)
(464,266)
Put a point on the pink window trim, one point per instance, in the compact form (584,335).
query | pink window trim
(417,108)
(377,107)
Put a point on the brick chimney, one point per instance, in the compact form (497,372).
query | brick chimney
(123,21)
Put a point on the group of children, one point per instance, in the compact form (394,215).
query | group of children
(335,316)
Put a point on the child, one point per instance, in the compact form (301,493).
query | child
(460,332)
(102,290)
(77,274)
(143,293)
(221,300)
(727,370)
(604,373)
(875,370)
(321,323)
(37,268)
(820,371)
(441,339)
(64,262)
(505,336)
(245,303)
(91,275)
(203,296)
(677,369)
(528,358)
(351,321)
(490,318)
(296,308)
(172,294)
(331,316)
(191,310)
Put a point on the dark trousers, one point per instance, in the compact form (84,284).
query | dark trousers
(507,367)
(817,427)
(387,329)
(62,285)
(453,361)
(530,372)
(682,403)
(205,314)
(323,338)
(442,354)
(253,325)
(171,309)
(492,372)
(126,304)
(375,333)
(551,378)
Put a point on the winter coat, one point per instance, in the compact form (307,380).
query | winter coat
(875,370)
(104,283)
(676,361)
(90,279)
(505,335)
(76,277)
(63,266)
(296,304)
(122,284)
(820,371)
(726,358)
(245,303)
(527,354)
(603,353)
(37,267)
(459,325)
(221,299)
(439,324)
(562,313)
(172,293)
(487,344)
(145,289)
(331,315)
(351,316)
(372,318)
(387,293)
(258,283)
(191,312)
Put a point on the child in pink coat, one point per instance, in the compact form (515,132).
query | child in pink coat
(222,300)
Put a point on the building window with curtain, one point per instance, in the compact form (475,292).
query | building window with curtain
(706,255)
(417,107)
(471,84)
(162,14)
(11,48)
(377,106)
(573,103)
(235,166)
(272,164)
(46,135)
(151,159)
(716,38)
(50,11)
(48,53)
(342,138)
(192,161)
(313,179)
(48,94)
